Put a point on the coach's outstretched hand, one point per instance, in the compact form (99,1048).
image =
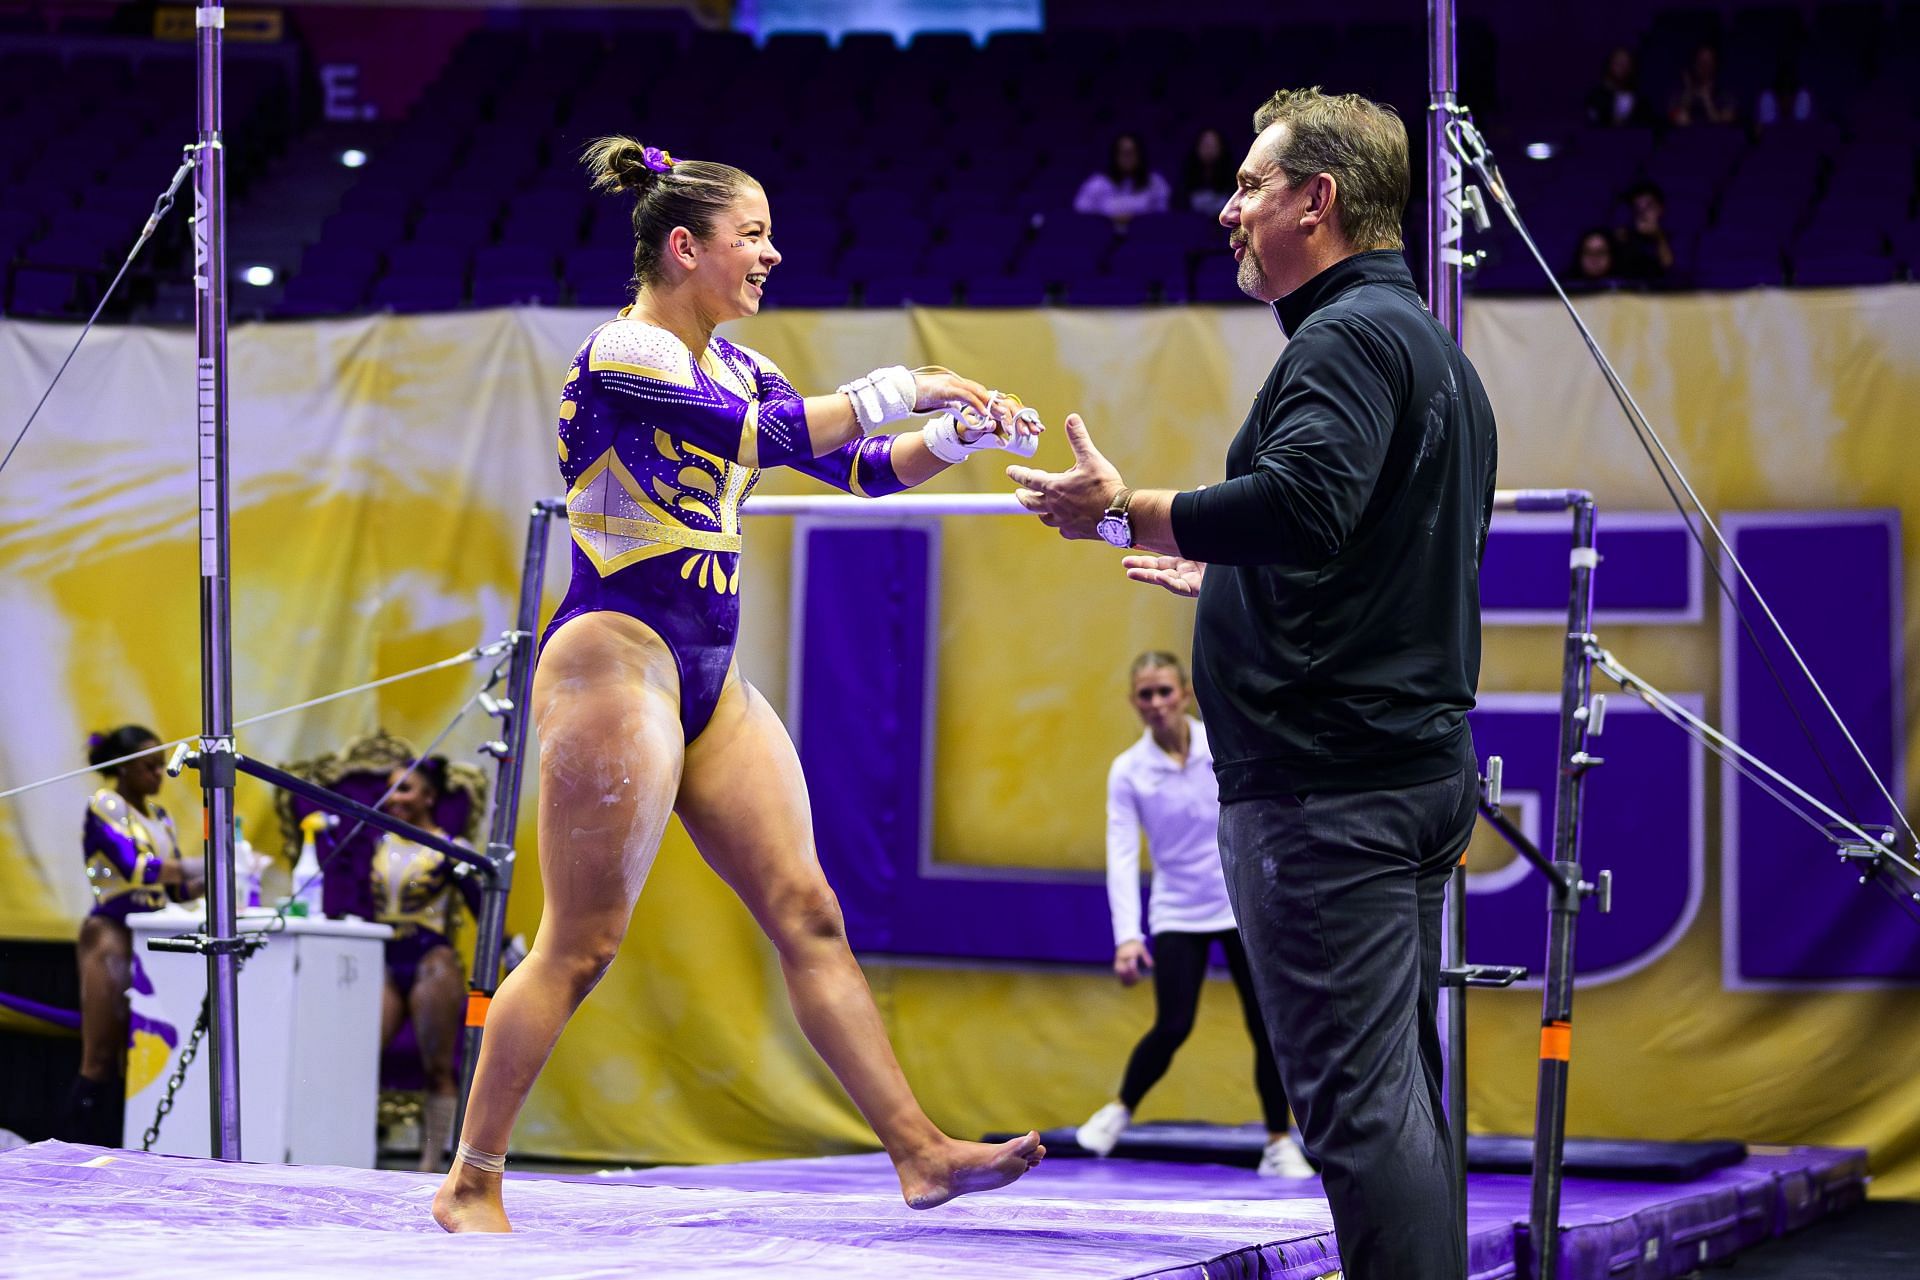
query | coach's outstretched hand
(1182,577)
(1070,501)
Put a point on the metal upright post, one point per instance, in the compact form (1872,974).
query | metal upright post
(511,749)
(216,760)
(1444,259)
(1444,223)
(1454,957)
(1565,897)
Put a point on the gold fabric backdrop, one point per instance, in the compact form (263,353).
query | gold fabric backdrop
(382,471)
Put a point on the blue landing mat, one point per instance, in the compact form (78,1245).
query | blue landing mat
(1183,1141)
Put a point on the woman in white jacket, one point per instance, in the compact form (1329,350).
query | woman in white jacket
(1163,784)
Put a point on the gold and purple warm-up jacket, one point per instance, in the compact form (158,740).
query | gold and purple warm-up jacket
(413,886)
(125,852)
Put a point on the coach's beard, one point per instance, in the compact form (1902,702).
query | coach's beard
(1250,275)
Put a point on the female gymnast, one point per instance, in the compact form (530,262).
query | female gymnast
(640,708)
(413,891)
(133,865)
(1164,784)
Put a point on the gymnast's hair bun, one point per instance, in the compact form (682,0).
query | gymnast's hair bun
(621,164)
(697,198)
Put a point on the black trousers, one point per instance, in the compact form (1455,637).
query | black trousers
(1339,897)
(1179,971)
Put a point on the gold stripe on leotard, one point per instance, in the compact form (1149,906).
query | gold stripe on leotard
(606,564)
(749,448)
(637,528)
(739,480)
(671,534)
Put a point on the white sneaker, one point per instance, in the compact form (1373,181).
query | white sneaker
(1284,1160)
(1100,1132)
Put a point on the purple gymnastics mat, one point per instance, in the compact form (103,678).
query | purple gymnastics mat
(71,1209)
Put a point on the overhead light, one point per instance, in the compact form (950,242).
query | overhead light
(260,276)
(1540,150)
(353,157)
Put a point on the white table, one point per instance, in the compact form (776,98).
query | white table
(309,1040)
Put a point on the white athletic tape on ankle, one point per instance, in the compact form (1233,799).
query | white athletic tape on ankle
(883,396)
(485,1161)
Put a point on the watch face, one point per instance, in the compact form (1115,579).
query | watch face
(1116,531)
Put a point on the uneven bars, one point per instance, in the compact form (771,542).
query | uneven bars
(1005,504)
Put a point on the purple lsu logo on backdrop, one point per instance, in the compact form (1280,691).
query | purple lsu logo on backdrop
(1795,916)
(1643,819)
(1644,811)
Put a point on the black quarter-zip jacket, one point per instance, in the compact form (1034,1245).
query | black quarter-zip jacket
(1337,641)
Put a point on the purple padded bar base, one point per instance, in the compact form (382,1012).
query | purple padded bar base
(74,1210)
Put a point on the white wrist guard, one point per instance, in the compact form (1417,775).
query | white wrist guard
(883,396)
(942,435)
(945,442)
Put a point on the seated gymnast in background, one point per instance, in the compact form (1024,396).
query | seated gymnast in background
(640,709)
(133,865)
(1164,784)
(413,891)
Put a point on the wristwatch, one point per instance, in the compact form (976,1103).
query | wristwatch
(1115,529)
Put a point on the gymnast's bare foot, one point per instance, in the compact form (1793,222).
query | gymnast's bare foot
(469,1200)
(954,1168)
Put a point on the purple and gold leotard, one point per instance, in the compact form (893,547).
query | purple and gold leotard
(125,850)
(659,452)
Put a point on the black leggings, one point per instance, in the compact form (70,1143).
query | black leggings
(1179,970)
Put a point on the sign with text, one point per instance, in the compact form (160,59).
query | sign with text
(865,736)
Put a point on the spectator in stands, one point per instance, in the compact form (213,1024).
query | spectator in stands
(1616,101)
(1788,99)
(1701,100)
(1126,189)
(1206,180)
(1593,261)
(1642,250)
